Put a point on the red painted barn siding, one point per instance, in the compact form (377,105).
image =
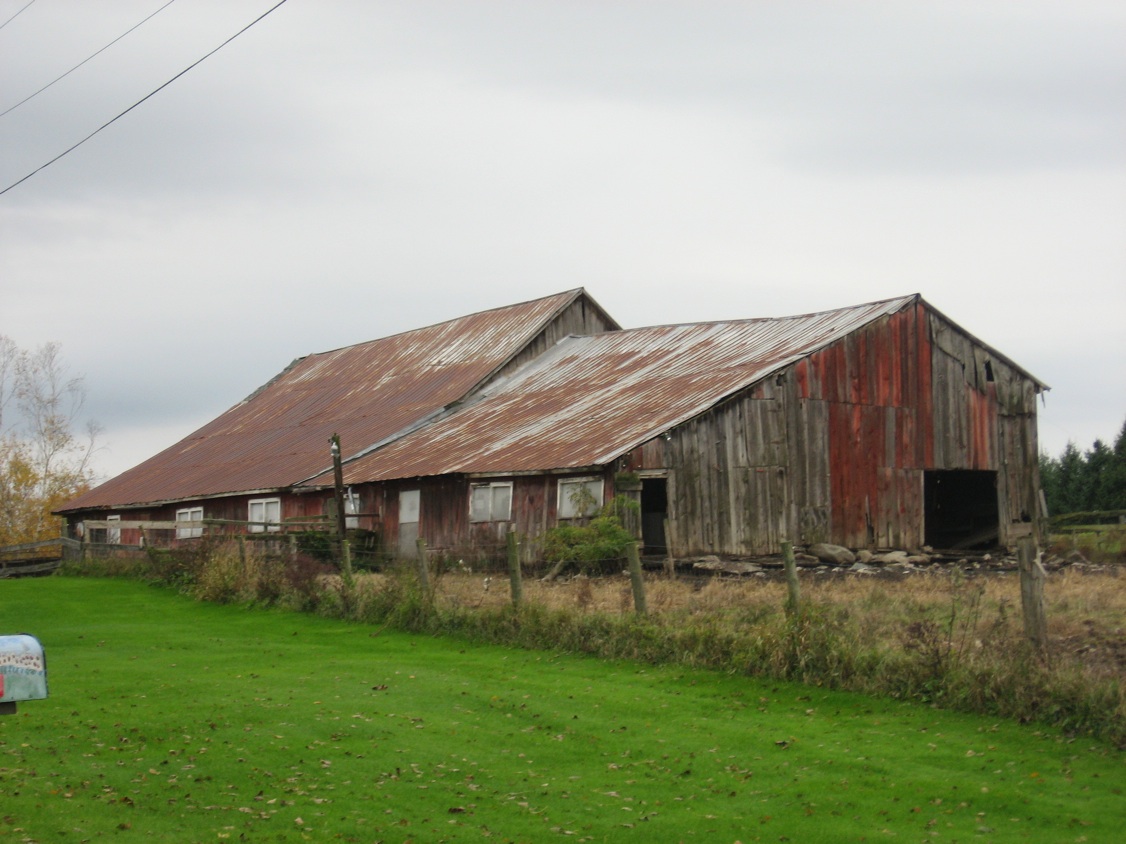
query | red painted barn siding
(845,436)
(870,430)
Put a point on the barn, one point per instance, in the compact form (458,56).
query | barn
(882,425)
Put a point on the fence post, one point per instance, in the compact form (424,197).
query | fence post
(670,561)
(346,577)
(423,569)
(1032,593)
(793,589)
(515,582)
(292,546)
(242,551)
(636,579)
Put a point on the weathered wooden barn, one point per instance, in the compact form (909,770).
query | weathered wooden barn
(250,462)
(879,425)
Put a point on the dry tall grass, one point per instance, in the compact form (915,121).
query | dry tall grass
(1086,607)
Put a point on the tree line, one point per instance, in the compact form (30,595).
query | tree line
(44,462)
(1082,482)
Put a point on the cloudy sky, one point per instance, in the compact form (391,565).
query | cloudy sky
(347,170)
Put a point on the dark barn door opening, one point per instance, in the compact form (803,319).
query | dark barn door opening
(960,508)
(654,511)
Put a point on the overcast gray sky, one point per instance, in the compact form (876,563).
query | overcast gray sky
(348,170)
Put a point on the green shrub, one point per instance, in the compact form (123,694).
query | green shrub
(594,546)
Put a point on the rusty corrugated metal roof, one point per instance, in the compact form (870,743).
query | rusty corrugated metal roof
(366,393)
(591,399)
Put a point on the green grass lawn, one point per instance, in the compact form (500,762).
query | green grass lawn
(174,720)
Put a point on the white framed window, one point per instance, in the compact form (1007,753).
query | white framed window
(264,514)
(189,514)
(351,508)
(113,534)
(490,502)
(579,497)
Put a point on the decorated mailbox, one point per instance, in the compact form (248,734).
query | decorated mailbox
(23,671)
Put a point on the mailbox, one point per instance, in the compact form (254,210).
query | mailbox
(23,671)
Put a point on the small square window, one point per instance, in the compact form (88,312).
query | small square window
(579,497)
(264,514)
(190,514)
(490,502)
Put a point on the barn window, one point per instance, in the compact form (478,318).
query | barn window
(579,497)
(490,502)
(113,534)
(351,508)
(264,514)
(189,514)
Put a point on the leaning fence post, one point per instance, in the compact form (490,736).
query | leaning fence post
(793,590)
(636,579)
(1032,593)
(515,582)
(423,572)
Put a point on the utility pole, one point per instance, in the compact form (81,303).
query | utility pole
(338,477)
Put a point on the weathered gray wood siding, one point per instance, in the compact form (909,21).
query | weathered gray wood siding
(833,448)
(581,317)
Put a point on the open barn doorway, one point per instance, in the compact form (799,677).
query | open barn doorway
(960,509)
(654,511)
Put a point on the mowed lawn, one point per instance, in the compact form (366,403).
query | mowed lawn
(180,721)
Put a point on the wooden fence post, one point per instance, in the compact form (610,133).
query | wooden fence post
(423,569)
(793,589)
(670,561)
(636,579)
(515,582)
(1032,577)
(346,560)
(242,551)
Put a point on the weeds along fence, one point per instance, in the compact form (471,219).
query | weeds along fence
(314,538)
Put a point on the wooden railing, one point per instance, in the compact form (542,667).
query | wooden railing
(32,558)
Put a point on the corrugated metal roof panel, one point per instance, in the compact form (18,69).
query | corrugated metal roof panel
(590,399)
(365,393)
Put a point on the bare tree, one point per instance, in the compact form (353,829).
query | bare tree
(42,461)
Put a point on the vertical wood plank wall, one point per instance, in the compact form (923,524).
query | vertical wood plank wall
(834,447)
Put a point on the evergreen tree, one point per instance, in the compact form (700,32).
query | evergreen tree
(1114,488)
(1078,482)
(1070,480)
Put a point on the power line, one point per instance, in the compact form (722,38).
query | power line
(152,93)
(73,69)
(16,15)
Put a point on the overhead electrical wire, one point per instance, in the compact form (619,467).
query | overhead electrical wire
(152,93)
(73,69)
(16,15)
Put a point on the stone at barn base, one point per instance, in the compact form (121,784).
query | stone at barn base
(836,555)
